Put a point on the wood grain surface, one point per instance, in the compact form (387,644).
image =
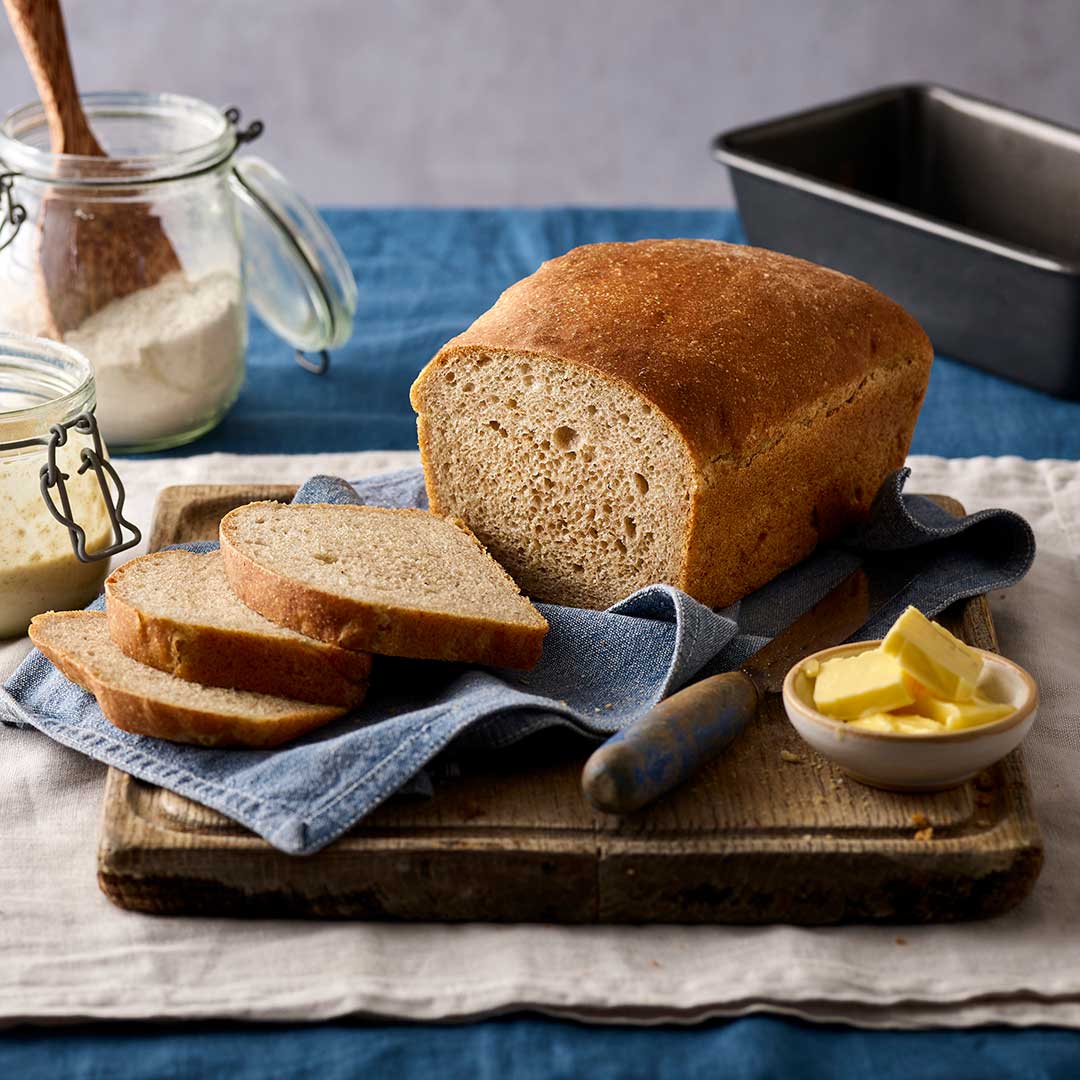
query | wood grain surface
(769,832)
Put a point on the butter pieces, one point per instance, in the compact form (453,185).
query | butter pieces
(955,715)
(904,723)
(854,686)
(926,651)
(919,681)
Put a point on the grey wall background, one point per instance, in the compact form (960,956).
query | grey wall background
(548,101)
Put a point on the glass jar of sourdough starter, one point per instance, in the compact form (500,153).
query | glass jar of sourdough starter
(145,260)
(61,502)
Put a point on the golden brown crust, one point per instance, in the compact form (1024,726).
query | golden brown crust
(750,523)
(240,659)
(388,629)
(140,715)
(730,343)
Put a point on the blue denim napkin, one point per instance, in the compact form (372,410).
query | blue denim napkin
(600,670)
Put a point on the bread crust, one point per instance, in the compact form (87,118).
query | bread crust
(753,522)
(389,629)
(140,715)
(730,343)
(793,389)
(241,659)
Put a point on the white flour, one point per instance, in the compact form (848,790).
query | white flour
(168,359)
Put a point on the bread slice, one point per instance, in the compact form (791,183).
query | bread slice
(400,582)
(146,701)
(174,610)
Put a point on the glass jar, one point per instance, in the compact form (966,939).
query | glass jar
(163,319)
(61,504)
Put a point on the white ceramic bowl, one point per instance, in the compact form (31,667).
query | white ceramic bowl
(931,762)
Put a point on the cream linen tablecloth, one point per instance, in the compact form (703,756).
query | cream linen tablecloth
(66,952)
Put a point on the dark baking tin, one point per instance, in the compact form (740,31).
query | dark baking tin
(965,212)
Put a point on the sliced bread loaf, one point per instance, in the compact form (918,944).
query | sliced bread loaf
(684,411)
(400,582)
(174,610)
(146,701)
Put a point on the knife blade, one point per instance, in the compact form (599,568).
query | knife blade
(663,748)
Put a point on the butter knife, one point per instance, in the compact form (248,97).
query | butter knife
(667,745)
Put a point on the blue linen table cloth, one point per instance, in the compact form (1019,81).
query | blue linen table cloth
(599,671)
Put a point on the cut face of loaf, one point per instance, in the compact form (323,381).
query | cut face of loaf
(682,411)
(576,484)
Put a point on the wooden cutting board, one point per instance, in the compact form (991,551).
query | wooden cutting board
(769,832)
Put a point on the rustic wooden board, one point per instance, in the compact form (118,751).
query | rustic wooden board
(754,838)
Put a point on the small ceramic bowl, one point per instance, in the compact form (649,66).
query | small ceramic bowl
(899,762)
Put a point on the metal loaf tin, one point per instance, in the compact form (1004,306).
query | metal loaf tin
(965,212)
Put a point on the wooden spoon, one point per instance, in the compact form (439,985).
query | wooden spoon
(92,251)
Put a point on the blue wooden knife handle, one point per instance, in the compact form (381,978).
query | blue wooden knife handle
(669,743)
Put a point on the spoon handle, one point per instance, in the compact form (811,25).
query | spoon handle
(39,28)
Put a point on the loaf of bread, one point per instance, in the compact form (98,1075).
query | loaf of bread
(174,610)
(146,701)
(400,582)
(681,411)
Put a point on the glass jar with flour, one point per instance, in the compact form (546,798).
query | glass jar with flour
(144,259)
(61,502)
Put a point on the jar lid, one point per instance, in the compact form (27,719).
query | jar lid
(298,279)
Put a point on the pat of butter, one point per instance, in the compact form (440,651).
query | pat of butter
(870,682)
(878,721)
(904,723)
(955,715)
(919,681)
(927,652)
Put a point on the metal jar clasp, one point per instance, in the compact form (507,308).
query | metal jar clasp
(12,214)
(92,458)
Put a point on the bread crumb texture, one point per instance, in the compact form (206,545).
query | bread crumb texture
(407,558)
(575,482)
(189,588)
